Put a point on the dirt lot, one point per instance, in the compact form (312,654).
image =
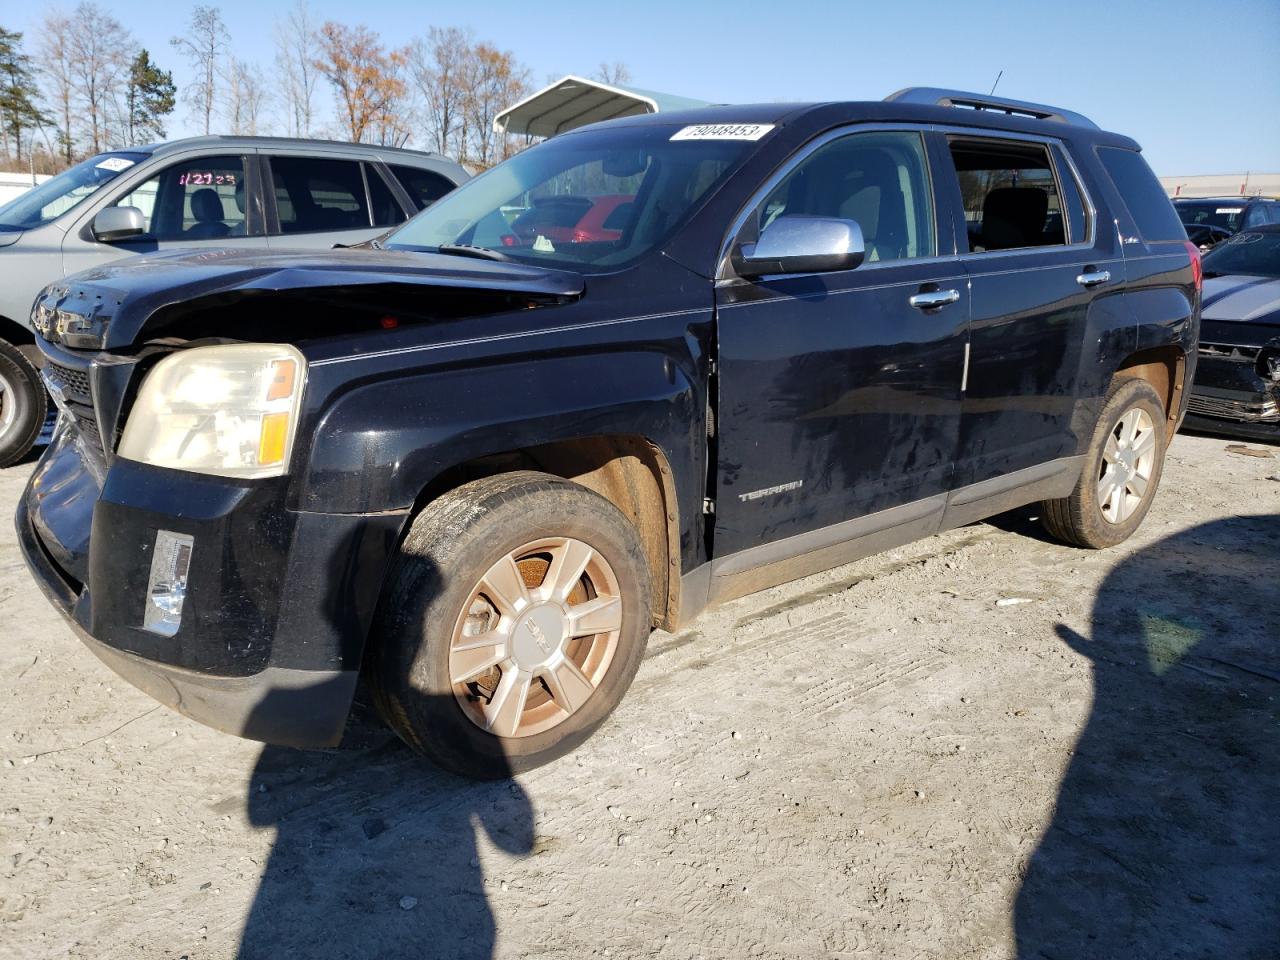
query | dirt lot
(982,745)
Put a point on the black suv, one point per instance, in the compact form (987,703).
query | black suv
(479,465)
(1210,220)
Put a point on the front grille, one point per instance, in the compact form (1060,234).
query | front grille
(1229,351)
(77,401)
(74,382)
(1267,411)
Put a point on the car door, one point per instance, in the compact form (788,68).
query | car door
(315,202)
(839,393)
(1042,276)
(196,202)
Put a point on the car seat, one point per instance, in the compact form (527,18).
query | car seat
(1014,217)
(206,207)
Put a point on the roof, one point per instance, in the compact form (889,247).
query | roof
(337,146)
(574,101)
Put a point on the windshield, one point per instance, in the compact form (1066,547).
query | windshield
(1251,254)
(68,189)
(1216,213)
(590,201)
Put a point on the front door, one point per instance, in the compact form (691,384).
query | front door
(195,203)
(838,399)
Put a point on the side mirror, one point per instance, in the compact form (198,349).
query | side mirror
(802,244)
(119,223)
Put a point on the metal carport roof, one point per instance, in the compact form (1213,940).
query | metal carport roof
(574,102)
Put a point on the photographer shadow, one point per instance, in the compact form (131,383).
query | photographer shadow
(1165,841)
(375,853)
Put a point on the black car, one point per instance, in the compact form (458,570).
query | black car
(1237,382)
(1210,220)
(480,464)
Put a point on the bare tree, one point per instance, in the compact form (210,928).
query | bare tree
(615,74)
(437,64)
(246,97)
(204,43)
(295,37)
(365,77)
(53,57)
(100,51)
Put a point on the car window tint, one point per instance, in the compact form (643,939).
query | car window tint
(201,199)
(423,186)
(1145,199)
(1256,216)
(315,195)
(382,202)
(1011,197)
(878,179)
(619,217)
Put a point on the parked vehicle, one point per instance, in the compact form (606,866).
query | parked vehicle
(254,193)
(1224,216)
(1237,382)
(483,474)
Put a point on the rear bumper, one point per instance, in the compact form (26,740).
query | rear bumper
(294,684)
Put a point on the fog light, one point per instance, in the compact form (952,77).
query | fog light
(167,585)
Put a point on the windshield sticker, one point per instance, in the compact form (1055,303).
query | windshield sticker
(543,245)
(1228,210)
(724,131)
(114,164)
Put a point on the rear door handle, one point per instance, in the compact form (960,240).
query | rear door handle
(933,299)
(1091,278)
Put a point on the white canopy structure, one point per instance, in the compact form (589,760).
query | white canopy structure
(574,102)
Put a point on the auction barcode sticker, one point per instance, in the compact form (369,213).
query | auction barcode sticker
(114,164)
(724,131)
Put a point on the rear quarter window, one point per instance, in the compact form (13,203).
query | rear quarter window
(1143,196)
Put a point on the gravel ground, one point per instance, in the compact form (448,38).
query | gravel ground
(980,745)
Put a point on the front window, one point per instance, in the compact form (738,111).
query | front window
(1215,213)
(200,199)
(1250,254)
(54,197)
(590,201)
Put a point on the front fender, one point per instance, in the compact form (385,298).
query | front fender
(381,443)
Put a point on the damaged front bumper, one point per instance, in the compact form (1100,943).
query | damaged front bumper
(1237,391)
(277,602)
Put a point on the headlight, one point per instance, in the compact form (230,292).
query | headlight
(230,411)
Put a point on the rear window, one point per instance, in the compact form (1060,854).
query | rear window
(1145,199)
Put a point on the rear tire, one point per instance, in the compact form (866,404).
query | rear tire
(485,607)
(23,404)
(1121,471)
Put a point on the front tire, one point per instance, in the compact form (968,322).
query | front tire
(513,622)
(1121,471)
(23,404)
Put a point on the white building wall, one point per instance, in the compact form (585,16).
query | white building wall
(1223,185)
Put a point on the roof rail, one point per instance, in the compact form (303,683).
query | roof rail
(937,96)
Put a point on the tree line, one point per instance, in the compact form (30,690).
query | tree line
(82,84)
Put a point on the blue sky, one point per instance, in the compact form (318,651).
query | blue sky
(1196,83)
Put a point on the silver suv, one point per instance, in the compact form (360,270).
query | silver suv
(253,192)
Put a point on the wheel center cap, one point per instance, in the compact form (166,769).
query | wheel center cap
(538,635)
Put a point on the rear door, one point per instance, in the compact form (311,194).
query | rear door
(315,202)
(1040,269)
(839,400)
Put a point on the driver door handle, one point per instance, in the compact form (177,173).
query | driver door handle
(1091,278)
(933,299)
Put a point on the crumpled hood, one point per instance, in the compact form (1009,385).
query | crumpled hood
(107,307)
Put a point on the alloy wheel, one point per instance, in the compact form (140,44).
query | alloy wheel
(535,637)
(1128,460)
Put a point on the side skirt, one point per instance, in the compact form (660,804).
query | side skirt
(771,564)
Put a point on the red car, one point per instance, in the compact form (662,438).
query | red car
(572,219)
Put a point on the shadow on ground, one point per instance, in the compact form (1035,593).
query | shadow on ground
(375,853)
(1166,837)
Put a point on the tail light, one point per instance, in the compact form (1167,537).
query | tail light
(1197,269)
